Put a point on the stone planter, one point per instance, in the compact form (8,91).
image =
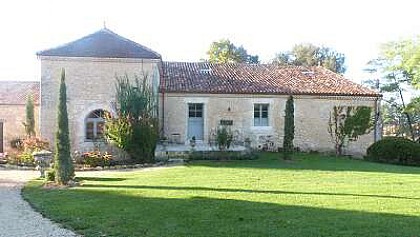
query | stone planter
(43,160)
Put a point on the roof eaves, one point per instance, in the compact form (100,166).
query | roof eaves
(43,52)
(269,93)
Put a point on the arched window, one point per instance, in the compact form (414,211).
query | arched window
(95,124)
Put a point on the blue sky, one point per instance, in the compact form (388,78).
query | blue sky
(183,30)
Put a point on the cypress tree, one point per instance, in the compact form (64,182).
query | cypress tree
(289,129)
(30,118)
(64,170)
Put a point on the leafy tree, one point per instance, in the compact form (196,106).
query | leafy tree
(414,106)
(223,51)
(284,59)
(403,57)
(348,123)
(64,170)
(289,129)
(244,57)
(312,55)
(395,72)
(331,59)
(135,128)
(413,109)
(395,121)
(306,55)
(30,118)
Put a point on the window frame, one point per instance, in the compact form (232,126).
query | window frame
(263,118)
(195,110)
(97,119)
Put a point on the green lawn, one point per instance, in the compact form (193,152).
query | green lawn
(311,196)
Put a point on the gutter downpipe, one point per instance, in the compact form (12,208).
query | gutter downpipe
(162,78)
(378,127)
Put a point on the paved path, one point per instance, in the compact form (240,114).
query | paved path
(17,218)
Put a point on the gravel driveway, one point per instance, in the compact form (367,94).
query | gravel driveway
(17,218)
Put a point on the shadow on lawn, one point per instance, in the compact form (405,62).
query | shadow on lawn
(303,161)
(117,214)
(279,192)
(101,179)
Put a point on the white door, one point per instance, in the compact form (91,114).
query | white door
(195,121)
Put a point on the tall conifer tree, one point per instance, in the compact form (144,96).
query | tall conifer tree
(64,170)
(30,117)
(289,129)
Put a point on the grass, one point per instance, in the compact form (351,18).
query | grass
(310,196)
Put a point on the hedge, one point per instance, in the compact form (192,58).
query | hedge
(395,150)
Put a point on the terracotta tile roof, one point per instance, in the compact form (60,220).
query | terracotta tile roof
(16,92)
(102,44)
(205,77)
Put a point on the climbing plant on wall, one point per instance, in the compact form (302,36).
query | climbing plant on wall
(347,123)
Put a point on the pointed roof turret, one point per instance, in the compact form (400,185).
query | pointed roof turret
(102,44)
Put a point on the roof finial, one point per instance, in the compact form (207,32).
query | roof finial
(104,24)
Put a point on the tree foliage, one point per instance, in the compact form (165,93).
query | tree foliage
(289,129)
(348,123)
(312,55)
(64,170)
(135,126)
(395,120)
(413,109)
(404,58)
(223,51)
(30,117)
(394,72)
(414,106)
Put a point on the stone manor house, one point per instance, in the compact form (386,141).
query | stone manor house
(194,98)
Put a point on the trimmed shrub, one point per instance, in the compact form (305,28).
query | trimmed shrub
(395,150)
(224,138)
(50,175)
(222,155)
(26,159)
(17,143)
(96,158)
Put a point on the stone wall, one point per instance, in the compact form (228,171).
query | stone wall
(90,86)
(311,118)
(12,117)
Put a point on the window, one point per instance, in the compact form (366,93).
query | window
(95,125)
(260,114)
(195,110)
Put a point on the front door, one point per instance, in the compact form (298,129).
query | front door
(195,121)
(1,137)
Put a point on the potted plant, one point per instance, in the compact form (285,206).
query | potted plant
(164,141)
(248,142)
(192,142)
